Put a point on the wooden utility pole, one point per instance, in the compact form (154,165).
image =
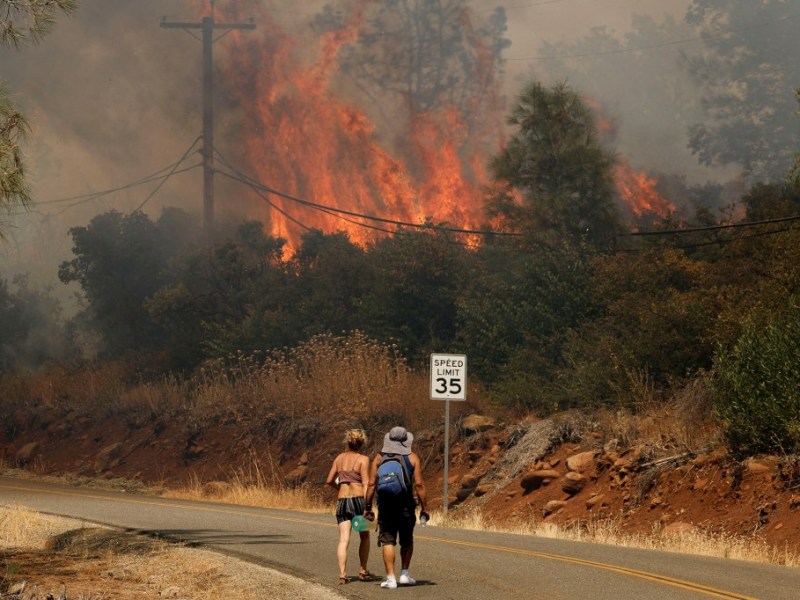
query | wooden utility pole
(208,25)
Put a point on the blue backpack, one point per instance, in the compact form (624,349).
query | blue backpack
(394,480)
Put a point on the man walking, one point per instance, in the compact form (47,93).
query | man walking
(396,477)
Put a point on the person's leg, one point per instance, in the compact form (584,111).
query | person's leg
(387,539)
(341,548)
(388,560)
(406,551)
(363,551)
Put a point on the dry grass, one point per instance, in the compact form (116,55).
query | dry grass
(54,555)
(347,380)
(683,420)
(317,378)
(608,531)
(252,487)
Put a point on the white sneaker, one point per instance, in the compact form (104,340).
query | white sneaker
(406,579)
(389,583)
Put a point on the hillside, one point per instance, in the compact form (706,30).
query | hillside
(515,474)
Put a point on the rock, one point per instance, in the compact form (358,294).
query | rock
(536,479)
(553,506)
(108,457)
(216,488)
(477,423)
(297,475)
(581,462)
(678,529)
(656,502)
(463,493)
(700,484)
(599,499)
(573,483)
(469,481)
(303,459)
(754,466)
(474,455)
(611,445)
(482,490)
(28,453)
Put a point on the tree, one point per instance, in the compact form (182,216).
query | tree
(31,330)
(757,386)
(554,177)
(418,58)
(514,317)
(747,73)
(233,298)
(20,22)
(332,276)
(119,262)
(417,279)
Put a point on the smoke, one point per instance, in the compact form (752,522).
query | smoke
(113,97)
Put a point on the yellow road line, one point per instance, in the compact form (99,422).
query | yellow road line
(663,579)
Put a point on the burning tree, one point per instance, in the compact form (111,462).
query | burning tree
(556,179)
(309,113)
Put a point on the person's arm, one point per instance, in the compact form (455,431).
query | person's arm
(331,480)
(373,479)
(363,468)
(419,483)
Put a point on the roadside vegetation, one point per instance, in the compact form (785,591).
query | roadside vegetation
(52,557)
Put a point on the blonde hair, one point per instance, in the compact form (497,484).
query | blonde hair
(355,439)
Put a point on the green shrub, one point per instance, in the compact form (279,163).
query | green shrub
(757,387)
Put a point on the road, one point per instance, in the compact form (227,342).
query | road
(448,563)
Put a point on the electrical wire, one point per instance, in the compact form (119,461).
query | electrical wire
(341,211)
(170,174)
(710,227)
(77,200)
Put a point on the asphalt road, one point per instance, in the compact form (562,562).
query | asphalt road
(448,563)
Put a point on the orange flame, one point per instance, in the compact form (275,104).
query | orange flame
(304,140)
(639,191)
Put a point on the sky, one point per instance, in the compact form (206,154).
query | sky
(112,97)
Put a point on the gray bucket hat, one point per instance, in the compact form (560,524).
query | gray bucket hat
(397,441)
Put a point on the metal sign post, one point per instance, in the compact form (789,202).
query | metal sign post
(448,382)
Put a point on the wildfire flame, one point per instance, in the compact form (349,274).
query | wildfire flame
(638,190)
(304,140)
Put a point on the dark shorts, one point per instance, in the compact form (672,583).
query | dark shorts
(394,522)
(347,508)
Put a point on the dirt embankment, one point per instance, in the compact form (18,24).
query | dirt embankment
(526,472)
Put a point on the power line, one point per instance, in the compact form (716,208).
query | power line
(261,195)
(77,200)
(170,174)
(710,227)
(92,195)
(332,209)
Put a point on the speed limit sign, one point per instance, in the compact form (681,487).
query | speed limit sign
(448,377)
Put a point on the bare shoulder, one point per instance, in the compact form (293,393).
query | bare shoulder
(415,460)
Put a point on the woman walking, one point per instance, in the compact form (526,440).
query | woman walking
(349,474)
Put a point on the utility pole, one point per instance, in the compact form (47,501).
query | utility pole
(208,25)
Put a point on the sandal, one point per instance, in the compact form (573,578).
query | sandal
(343,580)
(366,576)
